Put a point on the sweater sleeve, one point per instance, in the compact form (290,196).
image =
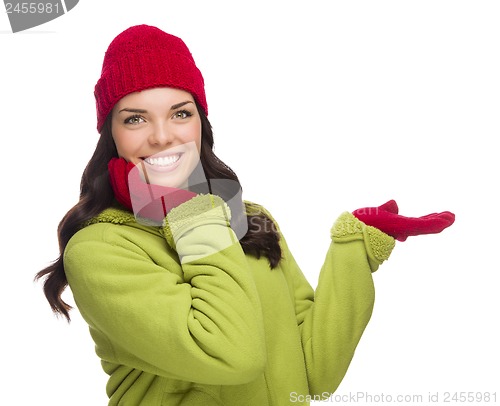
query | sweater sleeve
(332,319)
(201,324)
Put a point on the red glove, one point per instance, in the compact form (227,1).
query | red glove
(118,170)
(387,220)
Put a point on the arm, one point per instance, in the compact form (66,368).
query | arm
(197,321)
(332,320)
(332,325)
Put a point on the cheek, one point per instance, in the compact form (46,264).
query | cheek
(126,145)
(119,140)
(198,144)
(122,147)
(190,134)
(196,136)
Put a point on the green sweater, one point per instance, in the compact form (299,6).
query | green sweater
(180,315)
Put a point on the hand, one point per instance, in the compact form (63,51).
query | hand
(387,220)
(118,169)
(147,201)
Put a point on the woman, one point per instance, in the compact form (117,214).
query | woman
(186,303)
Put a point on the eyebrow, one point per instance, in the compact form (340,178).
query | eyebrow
(141,111)
(176,106)
(133,110)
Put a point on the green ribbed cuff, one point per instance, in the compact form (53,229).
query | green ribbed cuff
(195,211)
(378,244)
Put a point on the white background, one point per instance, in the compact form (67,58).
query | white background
(319,107)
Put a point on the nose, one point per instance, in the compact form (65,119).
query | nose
(161,135)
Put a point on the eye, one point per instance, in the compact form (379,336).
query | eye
(182,114)
(135,119)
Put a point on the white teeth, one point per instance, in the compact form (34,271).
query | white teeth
(163,161)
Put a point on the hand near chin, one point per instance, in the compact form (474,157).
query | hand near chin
(150,203)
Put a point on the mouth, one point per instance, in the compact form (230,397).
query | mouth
(163,161)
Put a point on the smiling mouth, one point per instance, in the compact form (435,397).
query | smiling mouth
(163,161)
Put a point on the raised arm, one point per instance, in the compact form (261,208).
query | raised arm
(332,319)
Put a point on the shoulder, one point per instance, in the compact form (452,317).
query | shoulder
(252,208)
(112,227)
(103,248)
(255,209)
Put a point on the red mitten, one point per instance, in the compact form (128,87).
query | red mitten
(387,220)
(118,170)
(146,200)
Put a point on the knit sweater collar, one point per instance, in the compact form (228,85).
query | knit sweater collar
(113,215)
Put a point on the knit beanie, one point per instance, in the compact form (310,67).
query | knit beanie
(143,57)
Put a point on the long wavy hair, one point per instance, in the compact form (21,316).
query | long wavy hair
(96,194)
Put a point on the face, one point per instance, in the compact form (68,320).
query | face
(159,129)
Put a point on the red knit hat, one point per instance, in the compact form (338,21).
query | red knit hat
(143,57)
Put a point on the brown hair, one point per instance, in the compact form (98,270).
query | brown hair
(96,194)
